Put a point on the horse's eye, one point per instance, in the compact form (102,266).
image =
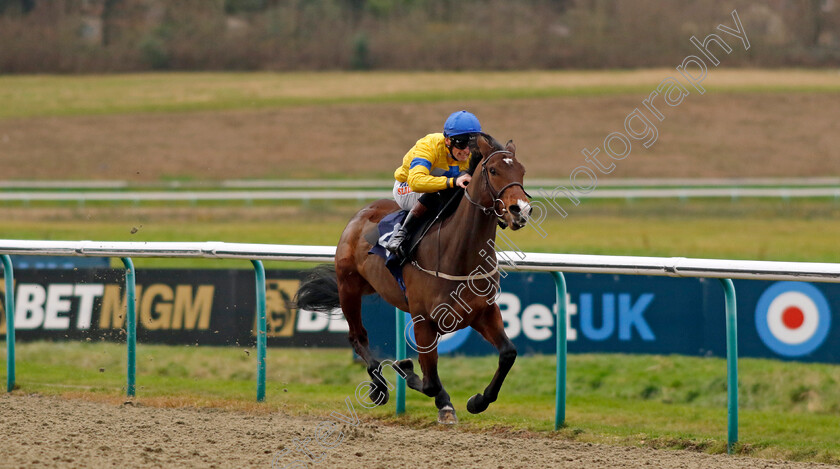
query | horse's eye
(493,171)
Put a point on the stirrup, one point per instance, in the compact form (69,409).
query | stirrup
(395,243)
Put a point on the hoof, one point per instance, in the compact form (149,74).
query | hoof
(406,365)
(379,395)
(477,404)
(446,416)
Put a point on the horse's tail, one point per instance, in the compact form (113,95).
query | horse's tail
(319,290)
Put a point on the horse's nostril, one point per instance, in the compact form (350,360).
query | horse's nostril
(514,209)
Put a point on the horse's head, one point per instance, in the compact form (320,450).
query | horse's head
(497,182)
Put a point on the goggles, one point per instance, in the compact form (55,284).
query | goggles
(460,142)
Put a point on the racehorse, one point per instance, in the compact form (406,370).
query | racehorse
(451,283)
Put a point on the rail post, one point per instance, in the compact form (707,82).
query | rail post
(259,271)
(9,275)
(400,353)
(560,333)
(130,326)
(731,363)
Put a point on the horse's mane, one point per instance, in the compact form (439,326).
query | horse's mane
(476,156)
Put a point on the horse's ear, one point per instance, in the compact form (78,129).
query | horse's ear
(509,146)
(483,145)
(481,149)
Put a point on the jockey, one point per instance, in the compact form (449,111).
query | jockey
(437,162)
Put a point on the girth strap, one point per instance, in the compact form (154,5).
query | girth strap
(457,278)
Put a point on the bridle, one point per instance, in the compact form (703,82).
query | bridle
(497,195)
(488,211)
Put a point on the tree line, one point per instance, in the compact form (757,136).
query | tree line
(87,36)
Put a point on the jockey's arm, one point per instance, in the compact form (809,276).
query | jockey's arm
(419,179)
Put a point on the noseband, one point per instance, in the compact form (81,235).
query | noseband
(497,195)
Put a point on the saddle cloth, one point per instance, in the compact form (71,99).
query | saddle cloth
(379,239)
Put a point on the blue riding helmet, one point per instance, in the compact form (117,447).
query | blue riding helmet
(461,122)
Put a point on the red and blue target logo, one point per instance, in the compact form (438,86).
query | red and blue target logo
(792,318)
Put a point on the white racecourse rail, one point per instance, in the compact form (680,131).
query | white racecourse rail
(513,260)
(361,195)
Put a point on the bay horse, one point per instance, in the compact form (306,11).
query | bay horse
(451,284)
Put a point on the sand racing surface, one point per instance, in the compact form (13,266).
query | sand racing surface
(38,431)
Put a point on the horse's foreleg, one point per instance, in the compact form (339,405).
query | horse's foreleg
(492,329)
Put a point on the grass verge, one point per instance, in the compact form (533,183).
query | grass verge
(45,95)
(789,231)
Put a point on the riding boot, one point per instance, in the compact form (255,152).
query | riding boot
(412,220)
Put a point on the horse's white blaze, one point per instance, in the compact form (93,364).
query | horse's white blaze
(508,160)
(524,208)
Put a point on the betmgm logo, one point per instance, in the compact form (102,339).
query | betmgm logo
(86,306)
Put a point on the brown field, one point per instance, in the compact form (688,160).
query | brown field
(713,135)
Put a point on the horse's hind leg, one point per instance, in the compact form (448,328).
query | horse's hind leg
(491,327)
(350,288)
(446,412)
